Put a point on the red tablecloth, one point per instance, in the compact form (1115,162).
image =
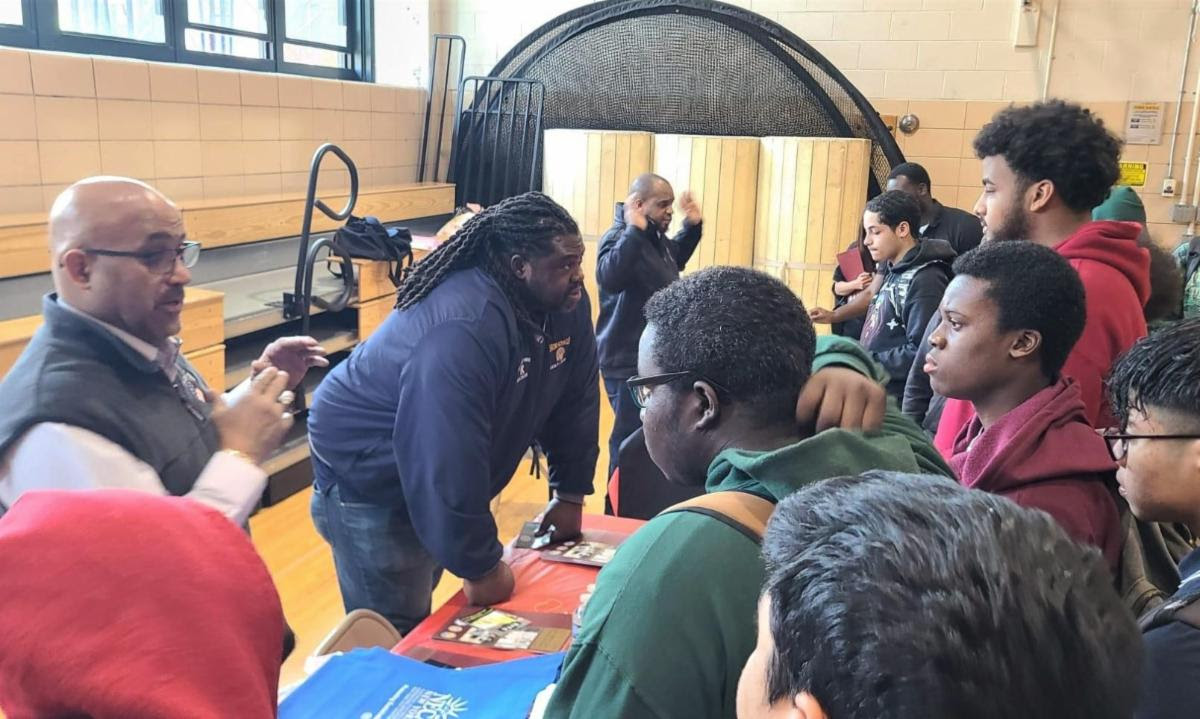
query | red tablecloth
(542,586)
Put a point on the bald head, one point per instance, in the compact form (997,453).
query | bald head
(99,210)
(649,184)
(105,233)
(656,197)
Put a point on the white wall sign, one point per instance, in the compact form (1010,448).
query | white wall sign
(1144,125)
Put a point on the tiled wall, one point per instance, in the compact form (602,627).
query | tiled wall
(951,62)
(1106,50)
(943,146)
(193,132)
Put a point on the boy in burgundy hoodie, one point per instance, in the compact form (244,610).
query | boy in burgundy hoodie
(1045,166)
(1009,320)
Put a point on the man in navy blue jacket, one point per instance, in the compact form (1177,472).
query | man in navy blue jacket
(490,349)
(635,260)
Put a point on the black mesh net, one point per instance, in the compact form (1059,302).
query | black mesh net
(690,67)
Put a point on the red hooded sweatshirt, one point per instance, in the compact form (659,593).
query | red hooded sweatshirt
(1116,277)
(121,604)
(1046,456)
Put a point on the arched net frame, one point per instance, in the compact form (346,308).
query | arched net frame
(683,66)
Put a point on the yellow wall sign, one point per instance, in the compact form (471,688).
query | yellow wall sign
(1133,174)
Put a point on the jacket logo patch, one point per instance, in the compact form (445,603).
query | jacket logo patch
(559,350)
(523,369)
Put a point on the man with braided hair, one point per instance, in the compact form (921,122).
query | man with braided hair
(490,349)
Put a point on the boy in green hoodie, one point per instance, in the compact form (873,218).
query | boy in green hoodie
(721,364)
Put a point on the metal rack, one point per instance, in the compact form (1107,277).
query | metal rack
(489,163)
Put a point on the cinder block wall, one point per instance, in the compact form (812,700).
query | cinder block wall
(951,62)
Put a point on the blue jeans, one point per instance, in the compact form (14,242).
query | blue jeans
(627,417)
(380,563)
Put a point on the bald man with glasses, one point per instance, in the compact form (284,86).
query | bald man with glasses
(102,395)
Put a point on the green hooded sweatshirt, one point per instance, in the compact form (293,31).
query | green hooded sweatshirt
(672,619)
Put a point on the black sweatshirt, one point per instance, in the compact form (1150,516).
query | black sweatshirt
(899,314)
(631,266)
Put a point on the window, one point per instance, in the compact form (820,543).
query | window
(140,20)
(328,38)
(10,12)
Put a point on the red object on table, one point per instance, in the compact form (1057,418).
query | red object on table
(542,587)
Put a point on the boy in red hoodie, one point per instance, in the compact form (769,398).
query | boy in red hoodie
(1009,320)
(120,604)
(1045,166)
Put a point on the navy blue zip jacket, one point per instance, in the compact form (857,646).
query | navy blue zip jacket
(436,409)
(631,265)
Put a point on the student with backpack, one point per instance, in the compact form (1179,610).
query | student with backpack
(727,356)
(1154,391)
(1009,320)
(916,273)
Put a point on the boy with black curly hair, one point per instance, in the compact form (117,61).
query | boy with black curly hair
(1045,166)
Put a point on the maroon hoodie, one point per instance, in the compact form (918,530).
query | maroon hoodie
(1116,277)
(1045,455)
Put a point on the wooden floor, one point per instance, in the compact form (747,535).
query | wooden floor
(301,564)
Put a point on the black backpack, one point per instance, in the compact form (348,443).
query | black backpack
(366,238)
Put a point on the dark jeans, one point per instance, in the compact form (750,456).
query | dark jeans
(628,417)
(380,563)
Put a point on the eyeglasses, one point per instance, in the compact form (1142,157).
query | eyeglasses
(1118,442)
(640,387)
(160,261)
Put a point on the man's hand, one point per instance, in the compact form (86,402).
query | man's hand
(691,208)
(841,397)
(257,423)
(293,355)
(635,212)
(565,517)
(820,315)
(492,588)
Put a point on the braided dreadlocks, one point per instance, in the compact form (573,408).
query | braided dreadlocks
(523,225)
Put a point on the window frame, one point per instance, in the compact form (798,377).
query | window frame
(41,31)
(22,35)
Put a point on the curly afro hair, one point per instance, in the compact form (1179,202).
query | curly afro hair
(1056,141)
(740,328)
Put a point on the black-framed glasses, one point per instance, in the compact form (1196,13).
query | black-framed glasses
(1118,442)
(160,261)
(640,387)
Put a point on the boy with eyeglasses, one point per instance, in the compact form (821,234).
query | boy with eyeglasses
(727,355)
(1010,318)
(1154,390)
